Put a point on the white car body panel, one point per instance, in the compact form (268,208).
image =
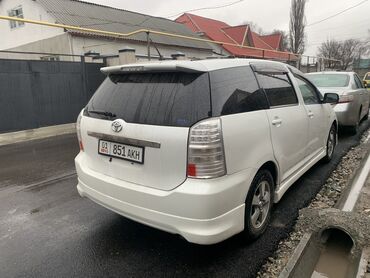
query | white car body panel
(158,193)
(289,137)
(164,167)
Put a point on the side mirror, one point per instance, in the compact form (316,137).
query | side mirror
(365,84)
(331,98)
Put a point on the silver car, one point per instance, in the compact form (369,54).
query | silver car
(354,99)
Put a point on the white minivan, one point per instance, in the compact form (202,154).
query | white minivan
(201,148)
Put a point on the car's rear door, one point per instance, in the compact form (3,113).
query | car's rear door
(287,119)
(143,140)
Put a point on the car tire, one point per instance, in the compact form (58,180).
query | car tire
(331,142)
(258,205)
(354,129)
(367,115)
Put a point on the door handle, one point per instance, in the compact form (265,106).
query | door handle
(277,122)
(310,114)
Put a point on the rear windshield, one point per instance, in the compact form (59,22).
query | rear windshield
(367,77)
(166,99)
(329,80)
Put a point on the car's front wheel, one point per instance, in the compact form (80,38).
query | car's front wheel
(331,143)
(258,205)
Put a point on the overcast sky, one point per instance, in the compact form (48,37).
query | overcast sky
(268,14)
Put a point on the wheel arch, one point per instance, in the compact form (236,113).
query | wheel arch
(271,166)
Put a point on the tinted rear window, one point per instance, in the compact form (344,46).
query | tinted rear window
(278,88)
(235,90)
(329,80)
(167,99)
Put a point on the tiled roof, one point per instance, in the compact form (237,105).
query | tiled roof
(94,16)
(220,31)
(273,40)
(237,33)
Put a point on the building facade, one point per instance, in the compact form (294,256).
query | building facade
(25,37)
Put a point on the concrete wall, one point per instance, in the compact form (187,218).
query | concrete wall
(82,45)
(11,38)
(60,44)
(42,93)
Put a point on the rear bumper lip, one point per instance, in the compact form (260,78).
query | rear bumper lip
(199,231)
(203,212)
(346,114)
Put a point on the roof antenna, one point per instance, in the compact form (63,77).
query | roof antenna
(161,58)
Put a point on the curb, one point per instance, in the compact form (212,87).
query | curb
(35,134)
(293,267)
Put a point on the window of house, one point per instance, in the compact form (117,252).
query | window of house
(16,12)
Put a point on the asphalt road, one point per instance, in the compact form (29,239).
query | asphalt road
(47,230)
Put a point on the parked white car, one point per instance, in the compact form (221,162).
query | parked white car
(201,148)
(354,98)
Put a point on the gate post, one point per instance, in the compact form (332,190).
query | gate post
(84,76)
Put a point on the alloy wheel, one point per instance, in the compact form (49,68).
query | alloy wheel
(260,205)
(331,142)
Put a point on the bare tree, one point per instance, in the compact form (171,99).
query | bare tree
(364,48)
(330,50)
(345,51)
(297,26)
(255,27)
(284,42)
(349,51)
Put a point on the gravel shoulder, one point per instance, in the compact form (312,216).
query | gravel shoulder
(328,197)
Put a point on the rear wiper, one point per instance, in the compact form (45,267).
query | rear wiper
(104,113)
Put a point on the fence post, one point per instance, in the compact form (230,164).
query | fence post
(308,64)
(84,76)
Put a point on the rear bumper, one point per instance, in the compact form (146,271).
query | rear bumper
(202,211)
(347,114)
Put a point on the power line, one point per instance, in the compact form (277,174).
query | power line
(342,40)
(339,13)
(206,8)
(343,26)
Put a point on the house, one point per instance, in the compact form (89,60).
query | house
(18,36)
(218,31)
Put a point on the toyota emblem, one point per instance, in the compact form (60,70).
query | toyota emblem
(117,125)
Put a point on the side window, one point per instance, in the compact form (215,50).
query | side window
(278,88)
(235,90)
(308,91)
(358,82)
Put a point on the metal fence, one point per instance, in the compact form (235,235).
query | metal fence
(36,93)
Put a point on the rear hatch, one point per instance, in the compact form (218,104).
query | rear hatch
(142,120)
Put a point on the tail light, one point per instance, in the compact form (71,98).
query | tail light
(345,99)
(206,158)
(78,129)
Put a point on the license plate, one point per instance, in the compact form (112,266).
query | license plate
(123,151)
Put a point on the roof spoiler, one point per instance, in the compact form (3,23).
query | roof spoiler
(265,67)
(153,68)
